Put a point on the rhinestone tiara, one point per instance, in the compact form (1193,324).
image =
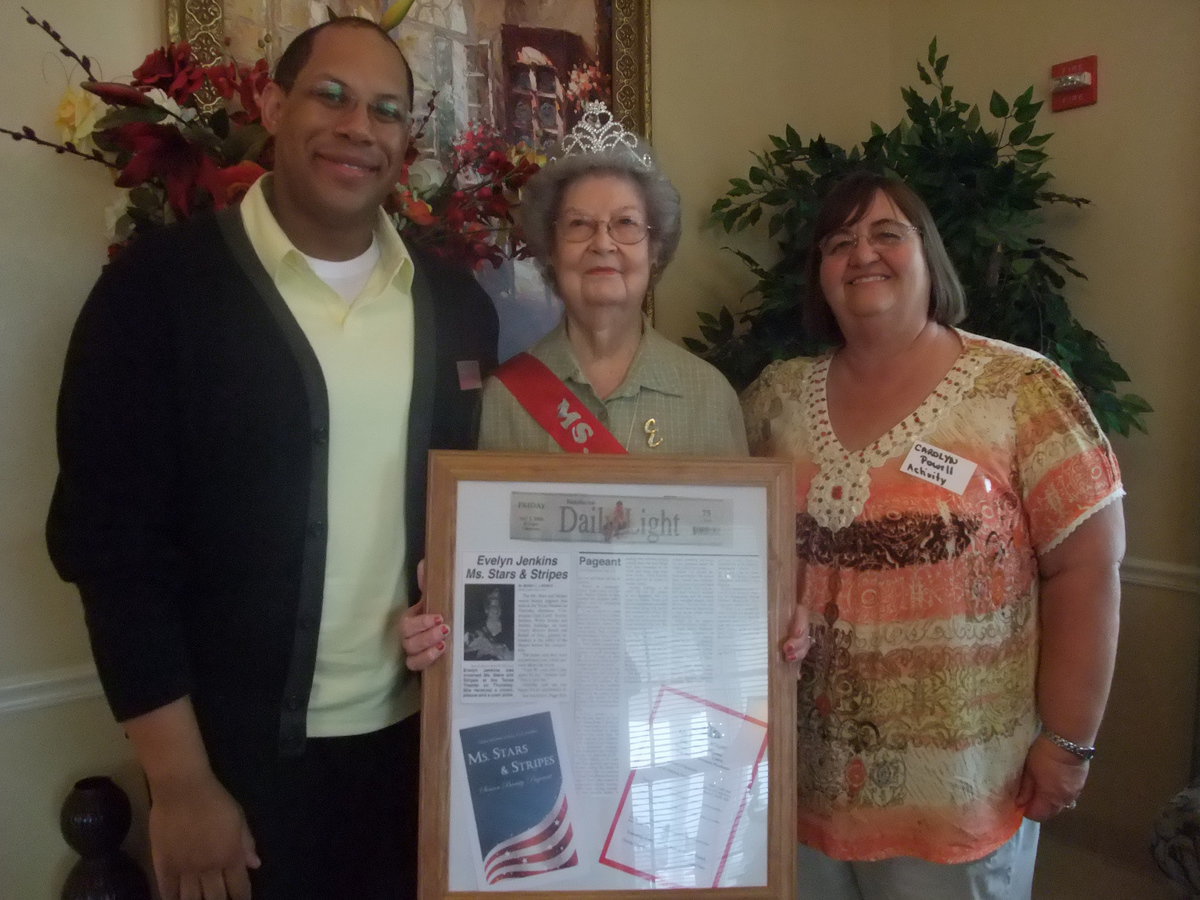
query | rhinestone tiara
(598,132)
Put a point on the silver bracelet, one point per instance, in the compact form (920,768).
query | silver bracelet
(1083,752)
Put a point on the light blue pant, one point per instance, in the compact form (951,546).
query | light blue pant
(1004,874)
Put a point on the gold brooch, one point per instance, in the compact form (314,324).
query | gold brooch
(651,429)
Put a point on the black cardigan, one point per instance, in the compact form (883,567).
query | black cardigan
(190,509)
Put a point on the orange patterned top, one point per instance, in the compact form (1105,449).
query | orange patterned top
(916,702)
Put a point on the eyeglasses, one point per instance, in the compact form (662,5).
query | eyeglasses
(880,236)
(385,110)
(623,230)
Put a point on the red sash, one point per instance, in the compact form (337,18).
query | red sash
(555,407)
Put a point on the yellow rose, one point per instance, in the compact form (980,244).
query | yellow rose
(77,115)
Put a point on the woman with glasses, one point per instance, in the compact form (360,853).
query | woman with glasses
(958,538)
(602,221)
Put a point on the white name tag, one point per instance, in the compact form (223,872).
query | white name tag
(940,467)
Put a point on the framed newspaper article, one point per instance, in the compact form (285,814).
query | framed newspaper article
(612,714)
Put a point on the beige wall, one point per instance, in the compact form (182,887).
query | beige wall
(1133,155)
(51,249)
(725,74)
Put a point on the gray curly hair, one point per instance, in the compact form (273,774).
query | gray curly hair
(542,198)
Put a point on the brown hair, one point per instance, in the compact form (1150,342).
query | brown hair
(844,205)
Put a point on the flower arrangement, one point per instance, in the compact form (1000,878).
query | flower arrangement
(182,137)
(465,211)
(585,82)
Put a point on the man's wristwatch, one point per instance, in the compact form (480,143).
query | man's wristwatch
(1083,752)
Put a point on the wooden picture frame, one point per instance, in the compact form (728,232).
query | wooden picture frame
(517,505)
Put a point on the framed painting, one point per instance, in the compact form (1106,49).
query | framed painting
(612,715)
(470,35)
(525,67)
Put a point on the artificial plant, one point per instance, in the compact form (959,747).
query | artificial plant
(986,188)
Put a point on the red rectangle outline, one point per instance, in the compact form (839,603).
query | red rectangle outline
(737,819)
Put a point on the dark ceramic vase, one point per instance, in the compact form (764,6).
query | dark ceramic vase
(94,820)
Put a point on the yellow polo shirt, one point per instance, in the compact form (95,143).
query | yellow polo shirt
(365,349)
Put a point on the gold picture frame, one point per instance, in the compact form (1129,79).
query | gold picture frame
(202,24)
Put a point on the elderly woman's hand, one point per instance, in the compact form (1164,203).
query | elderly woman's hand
(422,635)
(1051,781)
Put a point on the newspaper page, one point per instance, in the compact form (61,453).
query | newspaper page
(610,682)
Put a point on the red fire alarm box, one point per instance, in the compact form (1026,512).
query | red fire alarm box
(1073,84)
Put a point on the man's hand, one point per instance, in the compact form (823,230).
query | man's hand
(1051,781)
(199,841)
(422,635)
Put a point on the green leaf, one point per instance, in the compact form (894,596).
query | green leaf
(1027,113)
(939,67)
(1134,403)
(998,106)
(245,143)
(124,115)
(923,74)
(1021,133)
(145,198)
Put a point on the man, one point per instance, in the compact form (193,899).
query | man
(247,404)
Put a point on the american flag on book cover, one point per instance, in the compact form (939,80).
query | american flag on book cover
(518,795)
(547,846)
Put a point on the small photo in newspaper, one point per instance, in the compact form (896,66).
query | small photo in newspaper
(489,623)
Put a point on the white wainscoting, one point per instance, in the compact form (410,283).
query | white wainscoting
(56,686)
(1151,573)
(50,687)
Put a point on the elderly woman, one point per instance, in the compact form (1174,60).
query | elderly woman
(602,221)
(959,533)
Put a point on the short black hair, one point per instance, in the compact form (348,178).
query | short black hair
(298,52)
